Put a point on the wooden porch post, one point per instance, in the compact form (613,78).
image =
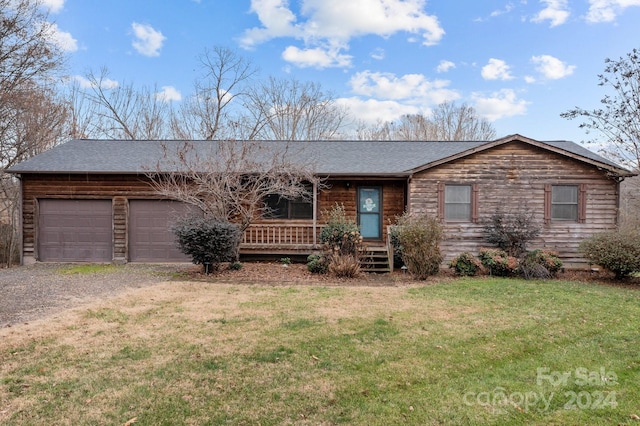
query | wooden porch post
(315,214)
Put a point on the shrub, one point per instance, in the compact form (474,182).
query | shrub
(209,242)
(342,243)
(466,264)
(344,265)
(616,251)
(340,234)
(420,237)
(498,262)
(317,264)
(511,232)
(540,264)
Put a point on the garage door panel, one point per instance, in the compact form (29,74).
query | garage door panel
(150,236)
(75,231)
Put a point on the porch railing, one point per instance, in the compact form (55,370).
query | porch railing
(281,236)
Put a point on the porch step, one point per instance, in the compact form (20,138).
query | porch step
(375,259)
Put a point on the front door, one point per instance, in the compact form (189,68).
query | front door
(370,212)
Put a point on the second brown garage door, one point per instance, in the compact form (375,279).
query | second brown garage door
(150,236)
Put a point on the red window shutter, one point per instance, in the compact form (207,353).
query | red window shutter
(582,203)
(547,204)
(441,202)
(474,203)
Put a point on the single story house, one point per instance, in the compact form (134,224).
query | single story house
(91,200)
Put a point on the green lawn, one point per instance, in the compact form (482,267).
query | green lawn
(470,351)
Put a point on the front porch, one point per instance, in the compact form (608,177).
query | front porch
(302,239)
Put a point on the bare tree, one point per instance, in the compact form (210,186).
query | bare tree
(207,113)
(447,122)
(113,111)
(618,119)
(31,115)
(290,110)
(229,180)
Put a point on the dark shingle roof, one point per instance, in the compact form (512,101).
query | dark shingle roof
(328,157)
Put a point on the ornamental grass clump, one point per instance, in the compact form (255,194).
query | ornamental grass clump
(420,236)
(541,264)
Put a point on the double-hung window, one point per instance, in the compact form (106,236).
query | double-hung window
(565,203)
(457,203)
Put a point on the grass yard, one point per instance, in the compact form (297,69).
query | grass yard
(469,351)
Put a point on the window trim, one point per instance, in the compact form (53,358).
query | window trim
(582,203)
(442,205)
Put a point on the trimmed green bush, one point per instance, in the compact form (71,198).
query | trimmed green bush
(209,242)
(498,262)
(317,264)
(616,251)
(420,236)
(466,264)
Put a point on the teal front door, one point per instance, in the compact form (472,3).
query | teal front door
(370,212)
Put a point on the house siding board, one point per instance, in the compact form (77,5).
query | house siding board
(514,175)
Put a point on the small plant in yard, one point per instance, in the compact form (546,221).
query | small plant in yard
(420,237)
(466,264)
(235,266)
(511,232)
(619,252)
(209,242)
(317,264)
(498,262)
(541,264)
(286,261)
(342,243)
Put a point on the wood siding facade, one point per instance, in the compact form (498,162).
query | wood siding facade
(265,236)
(511,176)
(514,177)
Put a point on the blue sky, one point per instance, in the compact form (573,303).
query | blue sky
(519,63)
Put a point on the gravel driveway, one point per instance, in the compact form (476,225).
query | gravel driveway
(33,292)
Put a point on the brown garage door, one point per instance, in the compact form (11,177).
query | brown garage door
(75,231)
(150,236)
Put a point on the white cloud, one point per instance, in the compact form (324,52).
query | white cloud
(607,10)
(62,39)
(85,83)
(317,57)
(496,69)
(148,41)
(168,94)
(54,6)
(552,68)
(504,103)
(557,12)
(334,23)
(415,88)
(445,66)
(378,54)
(372,111)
